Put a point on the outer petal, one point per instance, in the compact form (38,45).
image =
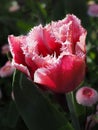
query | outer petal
(32,66)
(15,47)
(64,76)
(22,68)
(16,44)
(38,62)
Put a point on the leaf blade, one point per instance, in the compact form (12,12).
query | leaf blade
(37,112)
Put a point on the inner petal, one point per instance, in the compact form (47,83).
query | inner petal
(46,42)
(52,42)
(75,27)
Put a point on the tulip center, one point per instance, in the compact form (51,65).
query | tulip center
(87,92)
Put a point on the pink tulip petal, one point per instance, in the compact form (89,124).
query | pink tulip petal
(58,30)
(32,66)
(68,29)
(15,47)
(75,28)
(37,34)
(61,76)
(22,68)
(37,62)
(80,48)
(45,41)
(52,44)
(16,44)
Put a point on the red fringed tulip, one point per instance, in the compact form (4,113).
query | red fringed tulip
(52,56)
(87,96)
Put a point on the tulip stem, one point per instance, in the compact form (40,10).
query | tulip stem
(13,80)
(71,105)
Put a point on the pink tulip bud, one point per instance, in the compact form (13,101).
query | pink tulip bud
(86,96)
(6,70)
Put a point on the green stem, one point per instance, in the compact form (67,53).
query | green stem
(13,80)
(71,105)
(8,56)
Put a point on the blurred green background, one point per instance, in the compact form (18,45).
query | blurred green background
(18,17)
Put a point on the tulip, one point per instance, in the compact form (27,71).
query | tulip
(52,56)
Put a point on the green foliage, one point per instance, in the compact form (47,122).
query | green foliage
(36,110)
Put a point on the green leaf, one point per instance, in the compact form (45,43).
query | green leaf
(12,116)
(36,110)
(67,127)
